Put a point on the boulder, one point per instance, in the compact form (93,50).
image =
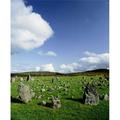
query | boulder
(106,97)
(25,93)
(44,103)
(56,103)
(90,95)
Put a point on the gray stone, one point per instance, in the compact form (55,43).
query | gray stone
(44,103)
(39,97)
(106,97)
(21,79)
(25,94)
(56,103)
(29,78)
(42,90)
(90,95)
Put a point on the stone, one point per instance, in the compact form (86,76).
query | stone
(21,79)
(44,103)
(29,78)
(90,95)
(56,103)
(39,97)
(43,90)
(25,94)
(106,97)
(52,80)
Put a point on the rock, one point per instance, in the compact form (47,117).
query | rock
(56,103)
(44,103)
(25,94)
(72,96)
(43,90)
(21,79)
(29,78)
(39,97)
(106,97)
(90,95)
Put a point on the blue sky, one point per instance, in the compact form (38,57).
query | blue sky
(79,30)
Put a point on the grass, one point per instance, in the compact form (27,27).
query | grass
(72,106)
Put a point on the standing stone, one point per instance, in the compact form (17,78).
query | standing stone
(25,94)
(52,80)
(90,95)
(29,78)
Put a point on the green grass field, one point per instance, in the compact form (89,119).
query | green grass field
(70,91)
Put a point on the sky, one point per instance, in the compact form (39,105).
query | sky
(59,35)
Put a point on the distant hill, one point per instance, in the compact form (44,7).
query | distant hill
(40,73)
(104,72)
(92,72)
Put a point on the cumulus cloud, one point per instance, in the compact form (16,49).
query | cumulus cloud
(46,67)
(69,67)
(91,61)
(95,61)
(28,29)
(49,53)
(27,67)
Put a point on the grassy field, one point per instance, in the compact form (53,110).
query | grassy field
(70,91)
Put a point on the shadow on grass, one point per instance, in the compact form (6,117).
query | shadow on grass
(80,100)
(49,105)
(16,100)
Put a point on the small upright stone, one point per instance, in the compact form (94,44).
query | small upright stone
(29,78)
(52,80)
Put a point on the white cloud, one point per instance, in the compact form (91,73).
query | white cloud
(69,67)
(46,67)
(87,53)
(49,53)
(27,67)
(29,29)
(37,68)
(89,62)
